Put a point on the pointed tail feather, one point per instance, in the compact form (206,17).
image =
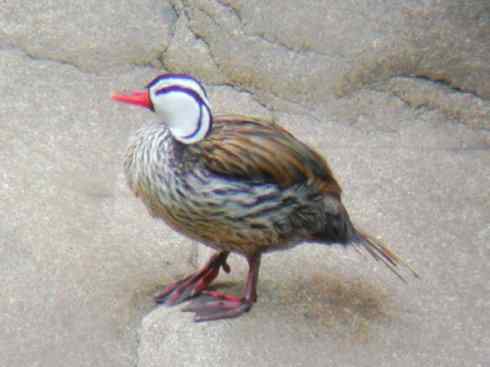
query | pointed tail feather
(380,252)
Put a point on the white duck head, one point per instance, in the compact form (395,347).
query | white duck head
(180,100)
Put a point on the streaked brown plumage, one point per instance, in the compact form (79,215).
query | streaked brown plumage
(247,147)
(245,185)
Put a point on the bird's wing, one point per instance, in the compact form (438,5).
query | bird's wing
(257,150)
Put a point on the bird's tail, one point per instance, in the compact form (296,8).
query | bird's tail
(380,252)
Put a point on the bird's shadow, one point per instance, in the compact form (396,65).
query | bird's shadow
(346,307)
(320,293)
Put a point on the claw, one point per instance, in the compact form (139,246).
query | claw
(216,305)
(194,284)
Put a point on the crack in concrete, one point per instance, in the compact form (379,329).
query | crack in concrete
(184,12)
(457,110)
(186,9)
(276,43)
(236,87)
(34,58)
(241,89)
(172,30)
(444,82)
(268,107)
(262,37)
(231,9)
(26,54)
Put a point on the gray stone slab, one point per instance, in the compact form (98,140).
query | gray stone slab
(78,252)
(334,48)
(395,95)
(93,35)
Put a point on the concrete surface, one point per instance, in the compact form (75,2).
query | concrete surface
(395,94)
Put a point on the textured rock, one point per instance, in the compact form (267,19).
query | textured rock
(93,35)
(333,48)
(188,52)
(78,252)
(395,94)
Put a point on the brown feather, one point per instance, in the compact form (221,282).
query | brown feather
(259,150)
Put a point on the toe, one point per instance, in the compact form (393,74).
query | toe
(216,305)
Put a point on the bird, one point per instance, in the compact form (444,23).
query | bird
(235,183)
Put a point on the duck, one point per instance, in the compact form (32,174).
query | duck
(237,184)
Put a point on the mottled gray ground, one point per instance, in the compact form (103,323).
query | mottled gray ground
(396,94)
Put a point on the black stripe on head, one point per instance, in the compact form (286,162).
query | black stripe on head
(198,127)
(176,76)
(210,118)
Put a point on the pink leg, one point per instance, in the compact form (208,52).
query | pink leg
(213,305)
(194,284)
